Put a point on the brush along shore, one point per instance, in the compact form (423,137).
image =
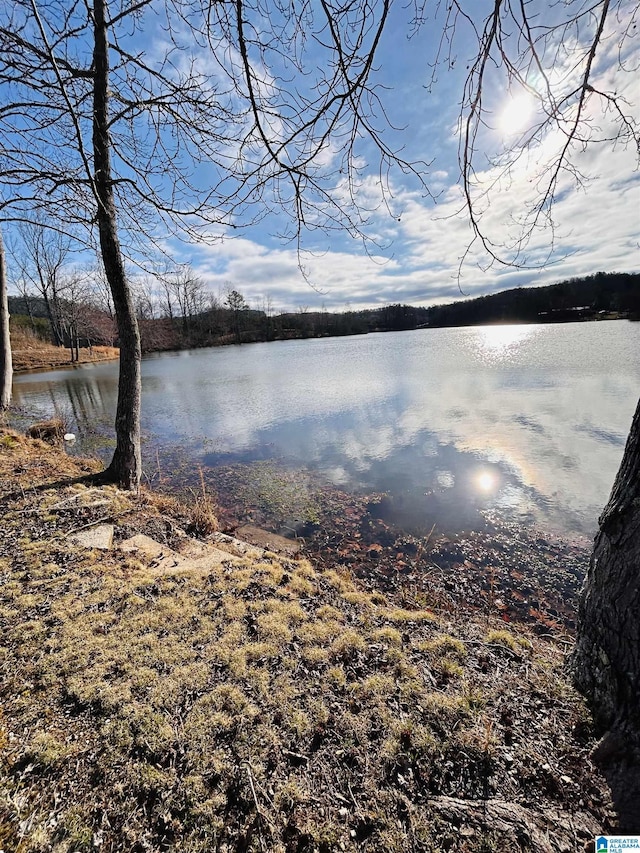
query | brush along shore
(165,694)
(30,352)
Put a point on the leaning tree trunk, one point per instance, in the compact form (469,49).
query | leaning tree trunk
(6,363)
(125,467)
(606,660)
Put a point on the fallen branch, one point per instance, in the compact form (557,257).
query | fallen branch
(110,517)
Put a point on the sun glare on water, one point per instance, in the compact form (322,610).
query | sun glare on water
(500,343)
(486,481)
(500,337)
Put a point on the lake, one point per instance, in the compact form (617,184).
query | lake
(521,423)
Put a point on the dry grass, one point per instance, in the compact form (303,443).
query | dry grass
(258,706)
(32,353)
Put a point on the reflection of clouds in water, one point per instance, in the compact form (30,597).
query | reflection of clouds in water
(526,419)
(234,393)
(534,433)
(602,435)
(445,479)
(529,423)
(419,411)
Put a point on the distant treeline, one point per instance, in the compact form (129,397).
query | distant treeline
(590,298)
(600,296)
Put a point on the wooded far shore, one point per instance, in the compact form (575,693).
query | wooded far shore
(88,330)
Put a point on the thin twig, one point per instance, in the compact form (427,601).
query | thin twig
(259,813)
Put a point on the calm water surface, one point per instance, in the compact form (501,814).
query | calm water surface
(526,422)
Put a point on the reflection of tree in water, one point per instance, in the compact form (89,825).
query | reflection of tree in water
(87,404)
(448,438)
(87,401)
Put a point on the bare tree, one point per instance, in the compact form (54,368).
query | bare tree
(6,364)
(74,309)
(41,259)
(549,53)
(145,303)
(101,135)
(542,56)
(23,285)
(184,295)
(101,294)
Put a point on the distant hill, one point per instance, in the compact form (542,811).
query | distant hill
(590,298)
(599,296)
(34,307)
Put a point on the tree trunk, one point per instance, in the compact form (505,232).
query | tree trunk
(68,336)
(6,363)
(606,660)
(57,315)
(125,467)
(55,333)
(27,301)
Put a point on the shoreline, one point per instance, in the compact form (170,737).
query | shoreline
(47,364)
(523,575)
(180,693)
(103,353)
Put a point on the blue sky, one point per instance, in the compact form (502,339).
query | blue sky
(416,243)
(419,243)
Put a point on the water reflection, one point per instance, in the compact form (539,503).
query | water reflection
(84,396)
(528,422)
(486,482)
(500,343)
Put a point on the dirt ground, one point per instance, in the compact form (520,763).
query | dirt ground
(346,697)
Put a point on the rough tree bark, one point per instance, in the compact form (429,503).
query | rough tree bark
(125,467)
(6,363)
(606,660)
(53,316)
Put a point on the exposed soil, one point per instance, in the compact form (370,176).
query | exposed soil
(364,702)
(504,570)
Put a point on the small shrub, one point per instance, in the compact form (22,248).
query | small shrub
(49,431)
(376,685)
(347,643)
(444,645)
(328,612)
(450,669)
(507,639)
(388,636)
(204,518)
(48,749)
(337,676)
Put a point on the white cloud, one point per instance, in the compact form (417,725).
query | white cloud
(419,245)
(597,229)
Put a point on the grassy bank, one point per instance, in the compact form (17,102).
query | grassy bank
(255,702)
(32,353)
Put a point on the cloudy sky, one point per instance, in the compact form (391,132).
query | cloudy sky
(415,243)
(418,249)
